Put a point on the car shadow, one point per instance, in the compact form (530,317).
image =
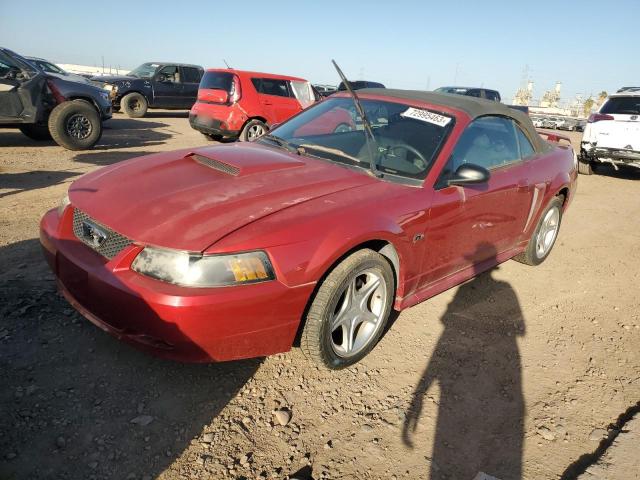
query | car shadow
(76,402)
(167,114)
(32,180)
(117,133)
(624,173)
(96,157)
(477,367)
(131,133)
(15,138)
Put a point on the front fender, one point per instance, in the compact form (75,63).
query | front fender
(305,241)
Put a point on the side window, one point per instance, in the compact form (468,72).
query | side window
(489,142)
(474,93)
(168,74)
(190,75)
(271,86)
(526,149)
(492,95)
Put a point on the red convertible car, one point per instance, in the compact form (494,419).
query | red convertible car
(241,250)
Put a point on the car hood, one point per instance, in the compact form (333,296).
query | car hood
(114,78)
(189,199)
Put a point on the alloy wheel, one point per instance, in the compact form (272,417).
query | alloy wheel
(359,313)
(548,232)
(254,132)
(78,126)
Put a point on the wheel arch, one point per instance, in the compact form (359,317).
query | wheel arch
(87,99)
(120,96)
(255,117)
(383,246)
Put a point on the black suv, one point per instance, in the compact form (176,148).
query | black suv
(472,92)
(153,85)
(44,105)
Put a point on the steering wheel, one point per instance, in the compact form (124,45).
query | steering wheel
(408,148)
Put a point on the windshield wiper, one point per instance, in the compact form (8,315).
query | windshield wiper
(333,151)
(281,142)
(372,143)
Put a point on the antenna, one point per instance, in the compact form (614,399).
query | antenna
(225,62)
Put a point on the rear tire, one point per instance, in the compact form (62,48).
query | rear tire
(544,236)
(349,311)
(253,130)
(75,125)
(36,131)
(134,105)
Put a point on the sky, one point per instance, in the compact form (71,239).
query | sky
(588,45)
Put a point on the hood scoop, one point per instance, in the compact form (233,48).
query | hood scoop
(244,158)
(215,164)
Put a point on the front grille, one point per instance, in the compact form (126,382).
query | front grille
(112,245)
(216,165)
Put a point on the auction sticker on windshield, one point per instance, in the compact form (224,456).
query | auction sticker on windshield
(426,116)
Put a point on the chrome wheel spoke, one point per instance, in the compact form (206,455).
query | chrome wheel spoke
(358,314)
(362,295)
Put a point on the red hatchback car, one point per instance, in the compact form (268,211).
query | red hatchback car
(237,104)
(309,233)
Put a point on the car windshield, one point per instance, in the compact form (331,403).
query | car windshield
(146,70)
(408,138)
(48,67)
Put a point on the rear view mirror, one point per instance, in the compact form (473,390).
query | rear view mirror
(468,174)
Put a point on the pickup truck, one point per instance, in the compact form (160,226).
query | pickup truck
(171,86)
(46,105)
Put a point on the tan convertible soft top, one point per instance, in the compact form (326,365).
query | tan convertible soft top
(472,106)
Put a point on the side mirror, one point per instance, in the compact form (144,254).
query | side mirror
(468,174)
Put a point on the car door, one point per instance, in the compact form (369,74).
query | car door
(167,87)
(276,99)
(469,224)
(190,77)
(21,89)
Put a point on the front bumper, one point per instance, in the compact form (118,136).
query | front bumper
(170,321)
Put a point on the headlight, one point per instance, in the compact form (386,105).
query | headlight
(64,202)
(195,270)
(107,87)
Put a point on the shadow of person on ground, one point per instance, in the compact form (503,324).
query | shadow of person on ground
(477,366)
(77,403)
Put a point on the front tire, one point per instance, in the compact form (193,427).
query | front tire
(349,311)
(544,236)
(585,167)
(75,125)
(134,105)
(36,132)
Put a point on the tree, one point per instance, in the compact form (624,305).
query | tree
(602,96)
(588,106)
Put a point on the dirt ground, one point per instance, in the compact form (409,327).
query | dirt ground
(527,367)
